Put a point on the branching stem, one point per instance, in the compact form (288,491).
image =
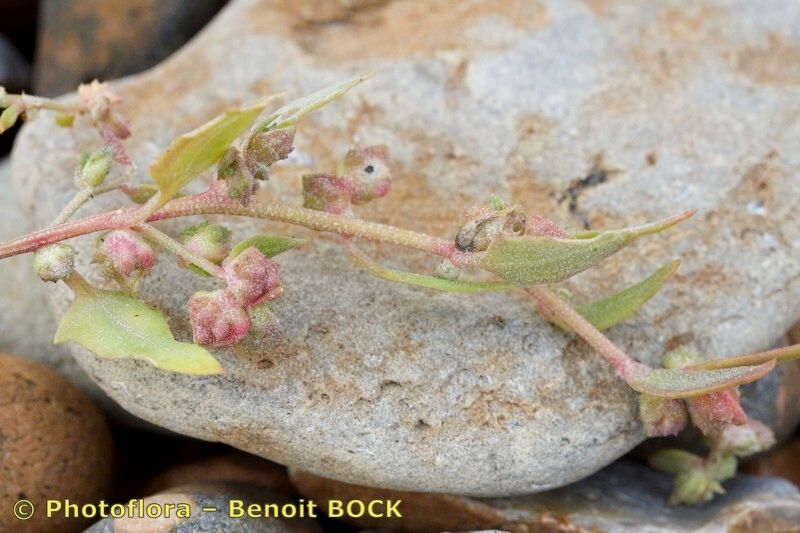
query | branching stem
(212,203)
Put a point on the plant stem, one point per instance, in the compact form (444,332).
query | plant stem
(78,283)
(38,102)
(170,244)
(211,203)
(622,362)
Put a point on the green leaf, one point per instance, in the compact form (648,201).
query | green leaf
(192,153)
(269,245)
(605,313)
(687,383)
(64,120)
(533,260)
(116,326)
(421,280)
(141,194)
(291,113)
(781,355)
(675,461)
(9,117)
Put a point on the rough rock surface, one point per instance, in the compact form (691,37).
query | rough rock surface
(625,496)
(54,444)
(594,113)
(26,325)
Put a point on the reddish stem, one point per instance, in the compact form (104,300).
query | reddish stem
(212,202)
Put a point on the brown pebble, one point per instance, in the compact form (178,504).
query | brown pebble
(233,466)
(54,444)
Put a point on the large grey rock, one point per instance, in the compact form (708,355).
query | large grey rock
(668,106)
(624,497)
(26,324)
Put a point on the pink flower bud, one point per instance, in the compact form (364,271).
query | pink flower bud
(326,192)
(252,278)
(217,318)
(125,252)
(209,241)
(368,170)
(712,412)
(661,416)
(539,225)
(100,101)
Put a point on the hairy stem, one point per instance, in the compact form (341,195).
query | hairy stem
(80,198)
(38,102)
(211,203)
(171,245)
(622,362)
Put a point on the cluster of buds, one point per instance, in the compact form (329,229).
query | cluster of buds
(697,480)
(124,256)
(720,417)
(223,317)
(362,176)
(217,318)
(241,170)
(252,278)
(100,102)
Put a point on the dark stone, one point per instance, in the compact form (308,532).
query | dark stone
(85,39)
(624,497)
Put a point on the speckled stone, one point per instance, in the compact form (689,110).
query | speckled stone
(23,299)
(54,444)
(624,497)
(667,106)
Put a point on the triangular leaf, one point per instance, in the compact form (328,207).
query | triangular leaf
(116,326)
(269,245)
(291,113)
(193,153)
(533,260)
(607,312)
(687,383)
